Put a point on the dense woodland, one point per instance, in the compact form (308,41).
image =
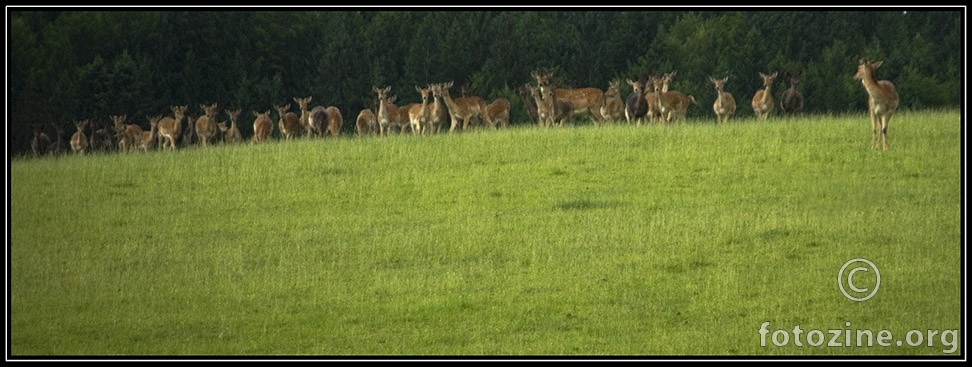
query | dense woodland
(88,64)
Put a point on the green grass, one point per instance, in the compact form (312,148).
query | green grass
(622,240)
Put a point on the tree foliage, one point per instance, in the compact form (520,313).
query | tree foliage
(89,64)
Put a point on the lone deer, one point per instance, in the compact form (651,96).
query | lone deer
(613,105)
(79,141)
(763,99)
(791,102)
(882,100)
(170,128)
(724,106)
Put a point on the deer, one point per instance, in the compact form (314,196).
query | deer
(170,128)
(388,114)
(529,103)
(613,105)
(148,138)
(59,146)
(651,96)
(553,110)
(587,100)
(724,106)
(262,126)
(366,122)
(189,137)
(305,115)
(545,109)
(79,141)
(233,134)
(763,99)
(288,123)
(335,121)
(791,102)
(498,112)
(465,109)
(672,104)
(418,113)
(882,100)
(40,144)
(206,128)
(438,112)
(636,107)
(100,139)
(129,135)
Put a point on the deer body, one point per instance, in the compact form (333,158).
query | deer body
(59,146)
(206,128)
(149,137)
(498,113)
(129,135)
(636,106)
(791,102)
(584,100)
(335,120)
(288,123)
(41,143)
(262,126)
(675,104)
(613,106)
(366,122)
(170,128)
(651,96)
(529,103)
(79,141)
(763,99)
(882,101)
(465,109)
(418,114)
(724,106)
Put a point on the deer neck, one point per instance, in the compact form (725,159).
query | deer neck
(450,104)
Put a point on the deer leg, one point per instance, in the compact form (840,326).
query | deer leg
(884,131)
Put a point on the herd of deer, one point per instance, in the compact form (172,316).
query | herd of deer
(546,104)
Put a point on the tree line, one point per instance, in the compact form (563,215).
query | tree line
(67,65)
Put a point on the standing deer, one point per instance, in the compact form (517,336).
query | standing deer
(79,141)
(41,143)
(388,114)
(148,138)
(763,99)
(100,139)
(438,112)
(583,100)
(651,96)
(233,134)
(466,109)
(335,121)
(418,113)
(557,110)
(367,123)
(636,107)
(129,135)
(613,106)
(529,103)
(882,100)
(545,109)
(498,113)
(59,146)
(724,105)
(791,102)
(262,126)
(206,128)
(677,102)
(288,123)
(305,117)
(170,128)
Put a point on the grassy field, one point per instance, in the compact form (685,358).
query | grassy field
(632,241)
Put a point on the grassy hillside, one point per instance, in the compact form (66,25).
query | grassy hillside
(622,240)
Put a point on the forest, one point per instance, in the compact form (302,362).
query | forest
(89,63)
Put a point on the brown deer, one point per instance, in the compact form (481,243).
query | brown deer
(367,123)
(59,146)
(418,113)
(498,112)
(100,139)
(438,112)
(206,128)
(555,110)
(673,104)
(791,102)
(233,134)
(170,128)
(149,138)
(882,100)
(262,126)
(724,106)
(587,100)
(388,114)
(288,123)
(651,96)
(79,141)
(613,105)
(129,135)
(636,106)
(545,108)
(41,143)
(466,109)
(305,115)
(529,103)
(763,99)
(335,121)
(189,137)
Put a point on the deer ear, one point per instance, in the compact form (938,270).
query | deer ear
(877,64)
